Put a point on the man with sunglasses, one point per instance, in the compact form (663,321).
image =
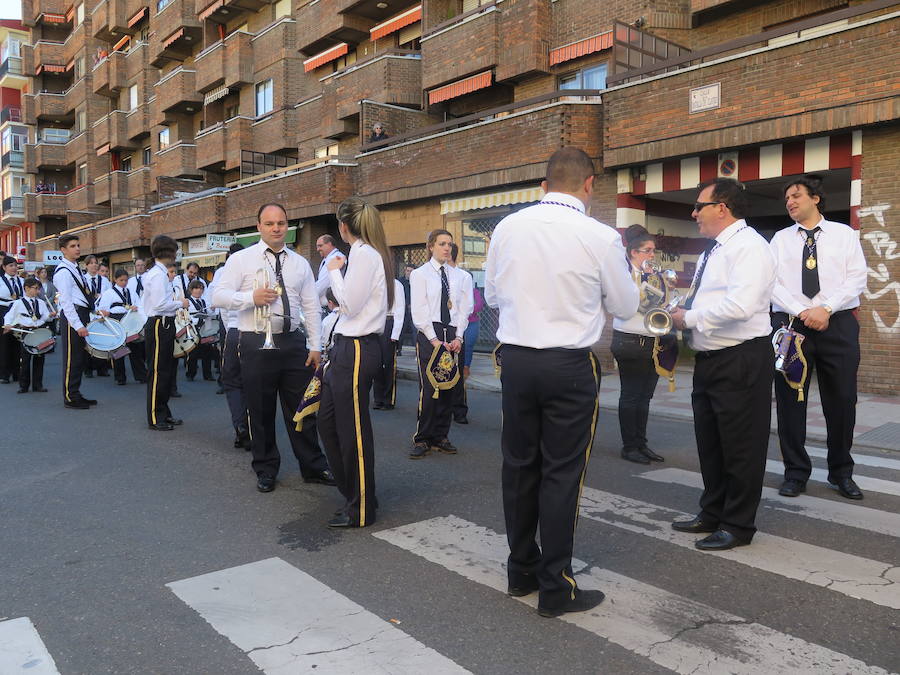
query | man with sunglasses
(725,319)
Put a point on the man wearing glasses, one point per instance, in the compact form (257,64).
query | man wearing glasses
(725,319)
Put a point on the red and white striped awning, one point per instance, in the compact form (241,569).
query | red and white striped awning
(581,48)
(53,18)
(208,12)
(49,68)
(173,37)
(395,23)
(328,55)
(140,14)
(121,43)
(460,87)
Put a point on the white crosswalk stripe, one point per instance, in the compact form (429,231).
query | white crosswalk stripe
(842,513)
(677,633)
(851,575)
(886,487)
(22,650)
(287,622)
(859,458)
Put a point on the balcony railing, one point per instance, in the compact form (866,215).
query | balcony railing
(12,66)
(13,158)
(14,205)
(11,114)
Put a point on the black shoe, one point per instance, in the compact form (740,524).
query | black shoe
(695,525)
(341,520)
(584,600)
(323,477)
(91,375)
(652,456)
(377,406)
(121,383)
(78,405)
(462,419)
(524,585)
(162,426)
(174,421)
(220,390)
(792,488)
(89,401)
(174,394)
(190,378)
(40,390)
(445,446)
(22,391)
(265,484)
(241,438)
(720,540)
(419,450)
(635,455)
(847,487)
(387,406)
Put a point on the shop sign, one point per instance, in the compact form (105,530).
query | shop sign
(708,97)
(220,242)
(53,257)
(196,245)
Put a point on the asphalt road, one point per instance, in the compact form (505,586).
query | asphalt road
(98,514)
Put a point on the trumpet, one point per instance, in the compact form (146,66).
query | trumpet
(658,316)
(263,315)
(659,321)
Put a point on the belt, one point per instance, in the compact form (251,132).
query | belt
(370,336)
(560,350)
(725,350)
(632,337)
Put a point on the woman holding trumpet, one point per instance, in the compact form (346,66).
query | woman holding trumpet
(636,348)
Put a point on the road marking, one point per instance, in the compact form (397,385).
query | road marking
(672,631)
(850,575)
(887,487)
(842,513)
(22,650)
(288,622)
(859,458)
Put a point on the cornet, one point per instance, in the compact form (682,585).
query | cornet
(263,315)
(658,319)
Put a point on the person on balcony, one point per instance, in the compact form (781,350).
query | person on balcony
(377,133)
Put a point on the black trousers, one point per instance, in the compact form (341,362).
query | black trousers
(269,375)
(93,364)
(74,355)
(833,355)
(550,405)
(205,354)
(434,413)
(159,338)
(136,356)
(732,402)
(345,425)
(31,370)
(385,389)
(460,404)
(231,380)
(9,353)
(638,378)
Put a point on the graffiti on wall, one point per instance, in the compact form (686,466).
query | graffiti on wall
(885,249)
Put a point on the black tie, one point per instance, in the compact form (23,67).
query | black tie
(127,296)
(19,290)
(37,312)
(139,287)
(445,298)
(810,269)
(95,284)
(285,304)
(711,244)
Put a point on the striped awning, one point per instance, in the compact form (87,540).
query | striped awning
(322,58)
(581,48)
(173,37)
(53,18)
(70,65)
(215,95)
(121,43)
(208,12)
(460,87)
(103,149)
(49,68)
(394,24)
(486,201)
(140,14)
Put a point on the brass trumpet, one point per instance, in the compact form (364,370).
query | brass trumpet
(263,315)
(658,319)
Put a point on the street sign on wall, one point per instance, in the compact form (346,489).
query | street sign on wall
(53,257)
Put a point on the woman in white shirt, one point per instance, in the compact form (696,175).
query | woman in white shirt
(354,359)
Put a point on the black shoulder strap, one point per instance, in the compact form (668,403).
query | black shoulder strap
(88,296)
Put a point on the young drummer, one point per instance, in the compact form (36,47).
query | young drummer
(202,352)
(10,291)
(364,296)
(159,333)
(28,313)
(116,302)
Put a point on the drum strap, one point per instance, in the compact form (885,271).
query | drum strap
(125,297)
(80,283)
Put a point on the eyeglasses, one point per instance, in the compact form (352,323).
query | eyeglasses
(699,206)
(645,250)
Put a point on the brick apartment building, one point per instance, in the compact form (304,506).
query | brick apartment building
(182,116)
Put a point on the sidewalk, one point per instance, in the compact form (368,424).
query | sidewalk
(877,417)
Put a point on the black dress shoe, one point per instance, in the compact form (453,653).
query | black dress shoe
(341,520)
(848,488)
(445,446)
(720,540)
(22,391)
(584,600)
(462,419)
(524,584)
(265,484)
(121,383)
(162,426)
(635,455)
(377,406)
(89,401)
(241,438)
(174,421)
(695,525)
(419,450)
(792,488)
(78,405)
(174,394)
(40,390)
(652,456)
(323,477)
(387,406)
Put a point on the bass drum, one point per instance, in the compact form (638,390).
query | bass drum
(186,336)
(106,339)
(209,331)
(133,323)
(38,341)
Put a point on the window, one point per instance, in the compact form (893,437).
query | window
(161,5)
(264,102)
(79,14)
(473,246)
(80,121)
(82,177)
(587,78)
(55,135)
(145,159)
(79,67)
(9,48)
(282,8)
(164,139)
(327,151)
(126,163)
(132,97)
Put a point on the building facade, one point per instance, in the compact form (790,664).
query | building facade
(182,116)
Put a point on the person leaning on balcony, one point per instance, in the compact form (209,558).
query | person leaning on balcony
(377,133)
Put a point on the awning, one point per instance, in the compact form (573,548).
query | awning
(103,149)
(322,58)
(121,43)
(49,68)
(215,95)
(208,12)
(140,14)
(70,13)
(486,201)
(173,37)
(53,18)
(581,48)
(70,65)
(464,86)
(208,259)
(396,23)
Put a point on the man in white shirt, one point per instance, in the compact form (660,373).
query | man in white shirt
(550,315)
(384,390)
(183,281)
(327,248)
(284,372)
(821,273)
(726,316)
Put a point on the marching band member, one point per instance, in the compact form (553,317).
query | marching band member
(10,291)
(440,309)
(355,358)
(159,333)
(550,376)
(385,390)
(284,372)
(327,248)
(116,302)
(136,289)
(177,294)
(202,352)
(29,312)
(76,302)
(98,284)
(183,281)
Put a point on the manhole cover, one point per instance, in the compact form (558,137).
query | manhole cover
(885,436)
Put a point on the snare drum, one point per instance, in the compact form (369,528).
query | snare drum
(209,331)
(38,341)
(106,339)
(133,323)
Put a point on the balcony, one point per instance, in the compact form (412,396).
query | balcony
(45,157)
(112,130)
(52,12)
(78,148)
(109,20)
(13,210)
(46,106)
(139,184)
(44,55)
(76,95)
(12,73)
(393,77)
(219,147)
(275,133)
(81,199)
(10,113)
(44,205)
(177,31)
(176,92)
(110,75)
(179,160)
(111,186)
(228,63)
(324,23)
(137,122)
(474,34)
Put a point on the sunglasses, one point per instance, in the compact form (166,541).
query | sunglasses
(699,206)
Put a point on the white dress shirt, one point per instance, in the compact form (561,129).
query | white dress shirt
(634,325)
(398,311)
(158,297)
(425,303)
(361,293)
(97,284)
(234,291)
(550,303)
(20,314)
(181,283)
(10,288)
(328,328)
(839,259)
(731,304)
(71,293)
(111,296)
(323,279)
(138,298)
(467,283)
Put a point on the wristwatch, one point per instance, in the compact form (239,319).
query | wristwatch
(827,308)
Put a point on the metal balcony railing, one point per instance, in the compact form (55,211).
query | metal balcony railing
(14,205)
(12,66)
(13,158)
(10,114)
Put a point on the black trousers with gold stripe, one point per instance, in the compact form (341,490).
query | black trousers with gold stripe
(74,355)
(345,425)
(384,391)
(434,413)
(159,340)
(550,404)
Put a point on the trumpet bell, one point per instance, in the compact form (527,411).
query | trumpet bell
(658,322)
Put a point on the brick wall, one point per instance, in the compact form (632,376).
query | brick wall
(477,38)
(395,120)
(190,219)
(524,39)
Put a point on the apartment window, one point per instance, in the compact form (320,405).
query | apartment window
(9,48)
(282,8)
(231,110)
(80,121)
(79,14)
(12,141)
(82,176)
(264,103)
(51,135)
(586,78)
(162,4)
(145,159)
(327,151)
(132,97)
(126,163)
(164,139)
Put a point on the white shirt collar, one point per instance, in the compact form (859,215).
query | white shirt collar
(802,230)
(564,198)
(436,265)
(730,231)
